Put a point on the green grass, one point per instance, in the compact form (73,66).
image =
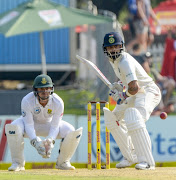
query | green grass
(23,176)
(163,171)
(75,100)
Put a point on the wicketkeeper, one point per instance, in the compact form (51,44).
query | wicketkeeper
(42,112)
(139,95)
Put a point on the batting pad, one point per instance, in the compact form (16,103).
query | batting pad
(139,135)
(120,135)
(68,146)
(16,143)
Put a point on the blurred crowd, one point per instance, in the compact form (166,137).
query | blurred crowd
(139,13)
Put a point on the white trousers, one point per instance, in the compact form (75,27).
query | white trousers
(137,111)
(43,129)
(144,102)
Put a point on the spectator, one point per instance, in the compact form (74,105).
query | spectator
(141,24)
(166,84)
(139,56)
(169,61)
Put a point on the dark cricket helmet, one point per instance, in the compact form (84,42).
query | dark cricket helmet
(112,39)
(42,81)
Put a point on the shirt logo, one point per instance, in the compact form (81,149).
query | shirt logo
(43,81)
(23,113)
(129,74)
(37,110)
(119,70)
(49,111)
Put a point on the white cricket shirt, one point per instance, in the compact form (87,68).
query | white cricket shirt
(33,111)
(127,69)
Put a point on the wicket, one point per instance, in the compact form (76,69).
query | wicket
(89,117)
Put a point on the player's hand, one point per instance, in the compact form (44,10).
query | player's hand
(49,145)
(117,86)
(38,144)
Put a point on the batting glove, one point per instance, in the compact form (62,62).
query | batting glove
(118,86)
(38,144)
(118,96)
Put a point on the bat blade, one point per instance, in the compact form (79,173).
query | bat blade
(96,70)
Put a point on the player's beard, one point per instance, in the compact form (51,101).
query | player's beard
(44,98)
(114,55)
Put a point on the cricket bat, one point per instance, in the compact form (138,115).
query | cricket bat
(92,66)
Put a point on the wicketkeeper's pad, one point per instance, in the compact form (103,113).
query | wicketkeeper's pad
(68,146)
(16,143)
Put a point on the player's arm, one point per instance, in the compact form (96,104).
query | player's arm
(57,117)
(29,128)
(133,88)
(128,69)
(54,128)
(28,119)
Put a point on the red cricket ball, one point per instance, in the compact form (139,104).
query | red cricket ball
(163,115)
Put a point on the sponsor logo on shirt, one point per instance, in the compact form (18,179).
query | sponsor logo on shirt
(37,110)
(119,70)
(49,111)
(129,74)
(23,113)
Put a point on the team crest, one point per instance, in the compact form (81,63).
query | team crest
(43,81)
(49,111)
(37,110)
(111,40)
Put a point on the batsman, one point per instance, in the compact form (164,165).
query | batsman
(139,95)
(42,111)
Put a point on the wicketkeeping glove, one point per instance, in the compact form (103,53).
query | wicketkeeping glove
(49,145)
(38,144)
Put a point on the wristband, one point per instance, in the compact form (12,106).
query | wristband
(128,94)
(125,95)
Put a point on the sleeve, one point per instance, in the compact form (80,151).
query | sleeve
(57,117)
(128,69)
(28,119)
